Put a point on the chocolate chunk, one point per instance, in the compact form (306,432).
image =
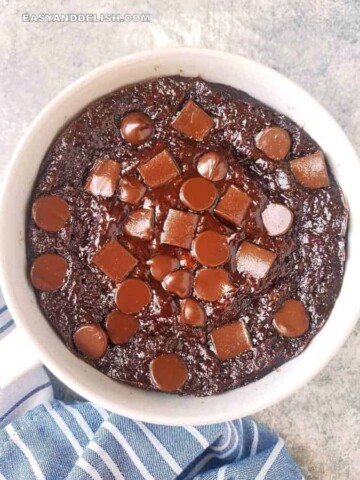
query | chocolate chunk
(198,194)
(233,206)
(121,327)
(136,128)
(114,260)
(91,341)
(179,282)
(140,223)
(253,260)
(50,212)
(179,228)
(275,142)
(211,248)
(211,284)
(132,295)
(277,219)
(161,265)
(192,313)
(48,272)
(213,166)
(311,171)
(231,340)
(168,372)
(193,122)
(131,190)
(103,178)
(292,319)
(159,170)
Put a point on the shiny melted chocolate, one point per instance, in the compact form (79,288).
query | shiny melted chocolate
(186,285)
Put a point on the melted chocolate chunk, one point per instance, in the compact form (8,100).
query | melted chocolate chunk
(114,260)
(230,340)
(233,206)
(193,122)
(179,228)
(103,178)
(131,190)
(160,170)
(311,171)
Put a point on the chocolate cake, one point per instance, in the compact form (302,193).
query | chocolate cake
(184,237)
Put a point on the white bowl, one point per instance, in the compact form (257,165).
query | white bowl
(264,84)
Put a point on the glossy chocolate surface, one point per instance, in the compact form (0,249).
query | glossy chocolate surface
(115,227)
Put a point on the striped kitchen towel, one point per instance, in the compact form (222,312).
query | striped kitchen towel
(46,432)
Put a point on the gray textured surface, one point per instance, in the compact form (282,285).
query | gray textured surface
(316,44)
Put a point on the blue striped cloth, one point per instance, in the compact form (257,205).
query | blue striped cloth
(47,432)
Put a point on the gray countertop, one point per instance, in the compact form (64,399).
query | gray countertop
(316,44)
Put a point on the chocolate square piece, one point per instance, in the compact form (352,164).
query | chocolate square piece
(230,340)
(140,223)
(179,228)
(311,171)
(233,206)
(160,170)
(193,122)
(103,177)
(114,260)
(254,260)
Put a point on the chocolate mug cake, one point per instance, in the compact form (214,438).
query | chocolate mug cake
(184,237)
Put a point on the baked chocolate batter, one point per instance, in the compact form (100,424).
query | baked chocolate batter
(185,237)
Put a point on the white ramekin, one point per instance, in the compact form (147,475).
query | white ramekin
(36,341)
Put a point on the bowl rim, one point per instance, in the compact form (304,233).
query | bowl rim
(59,370)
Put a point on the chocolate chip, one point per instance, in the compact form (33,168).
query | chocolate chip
(121,327)
(168,372)
(136,128)
(275,142)
(179,282)
(211,284)
(91,341)
(50,212)
(159,170)
(277,219)
(192,313)
(231,340)
(132,295)
(193,122)
(311,171)
(140,224)
(233,206)
(198,194)
(292,319)
(213,166)
(48,272)
(179,228)
(103,178)
(211,248)
(161,265)
(253,260)
(131,190)
(114,260)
